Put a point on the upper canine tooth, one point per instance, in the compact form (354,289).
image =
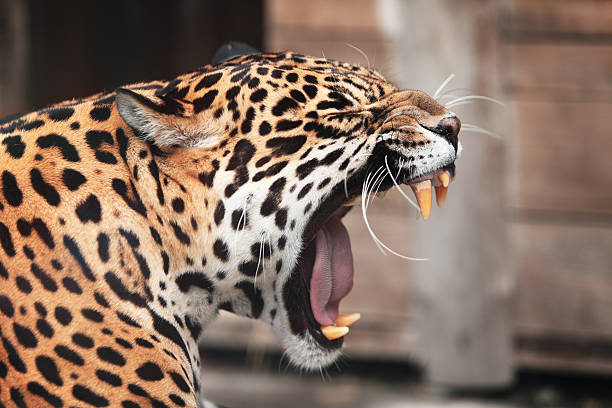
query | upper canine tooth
(444,178)
(422,191)
(334,332)
(347,319)
(441,195)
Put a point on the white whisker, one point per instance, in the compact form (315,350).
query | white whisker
(376,184)
(461,103)
(399,188)
(364,195)
(359,50)
(377,241)
(470,97)
(468,127)
(450,91)
(441,87)
(242,217)
(260,261)
(346,173)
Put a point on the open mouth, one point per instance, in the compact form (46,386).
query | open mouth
(324,275)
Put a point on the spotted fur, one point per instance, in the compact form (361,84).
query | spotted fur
(129,218)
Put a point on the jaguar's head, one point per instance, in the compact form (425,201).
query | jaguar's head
(281,145)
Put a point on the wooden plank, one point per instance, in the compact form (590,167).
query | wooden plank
(560,71)
(13,56)
(460,297)
(343,15)
(561,16)
(565,281)
(561,157)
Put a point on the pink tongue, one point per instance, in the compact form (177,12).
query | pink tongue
(332,274)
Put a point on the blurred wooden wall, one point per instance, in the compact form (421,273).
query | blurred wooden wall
(56,50)
(559,55)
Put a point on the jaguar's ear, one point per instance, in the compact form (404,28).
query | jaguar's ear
(164,121)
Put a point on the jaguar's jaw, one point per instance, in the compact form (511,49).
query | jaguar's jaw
(313,328)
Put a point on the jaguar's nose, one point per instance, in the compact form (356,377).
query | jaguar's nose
(449,128)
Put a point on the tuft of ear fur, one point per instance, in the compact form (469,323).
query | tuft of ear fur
(165,121)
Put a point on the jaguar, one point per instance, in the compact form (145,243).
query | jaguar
(130,218)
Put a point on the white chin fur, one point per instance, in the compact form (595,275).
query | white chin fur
(305,353)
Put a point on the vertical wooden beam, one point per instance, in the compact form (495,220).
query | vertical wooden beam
(13,55)
(462,294)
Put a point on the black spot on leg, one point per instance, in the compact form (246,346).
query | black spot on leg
(100,114)
(179,381)
(60,114)
(154,170)
(136,204)
(6,306)
(68,151)
(37,389)
(103,243)
(89,210)
(44,189)
(23,284)
(84,394)
(111,356)
(25,336)
(95,139)
(46,366)
(109,378)
(75,251)
(178,205)
(150,372)
(14,146)
(47,282)
(6,240)
(69,355)
(17,398)
(10,189)
(73,179)
(180,234)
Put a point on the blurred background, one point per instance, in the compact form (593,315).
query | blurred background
(514,307)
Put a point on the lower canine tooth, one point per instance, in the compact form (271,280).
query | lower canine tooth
(444,178)
(441,195)
(334,332)
(347,319)
(422,191)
